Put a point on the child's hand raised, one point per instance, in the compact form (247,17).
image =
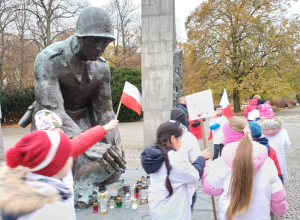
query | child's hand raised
(111,125)
(206,154)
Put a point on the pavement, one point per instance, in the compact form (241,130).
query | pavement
(132,141)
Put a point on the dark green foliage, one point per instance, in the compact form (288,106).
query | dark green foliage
(15,102)
(118,78)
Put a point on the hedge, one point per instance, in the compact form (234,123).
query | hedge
(15,102)
(118,78)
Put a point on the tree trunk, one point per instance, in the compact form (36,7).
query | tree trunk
(298,98)
(236,101)
(283,103)
(2,59)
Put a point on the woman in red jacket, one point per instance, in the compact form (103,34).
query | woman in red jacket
(195,129)
(252,105)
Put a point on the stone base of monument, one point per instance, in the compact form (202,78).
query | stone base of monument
(86,196)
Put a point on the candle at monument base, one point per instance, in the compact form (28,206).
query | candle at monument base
(134,204)
(95,207)
(119,202)
(127,202)
(137,191)
(103,204)
(112,204)
(148,181)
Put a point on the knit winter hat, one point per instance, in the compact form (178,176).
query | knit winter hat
(47,120)
(255,129)
(266,110)
(44,152)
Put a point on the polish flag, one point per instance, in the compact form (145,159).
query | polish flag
(226,109)
(132,98)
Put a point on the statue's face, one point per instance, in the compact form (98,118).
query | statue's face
(93,47)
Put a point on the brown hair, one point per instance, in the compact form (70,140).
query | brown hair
(217,106)
(241,182)
(257,97)
(164,133)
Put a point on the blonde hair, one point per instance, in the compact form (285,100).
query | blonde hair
(241,182)
(257,97)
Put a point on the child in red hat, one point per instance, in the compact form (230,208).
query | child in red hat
(37,181)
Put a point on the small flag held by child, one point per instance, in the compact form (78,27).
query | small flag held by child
(132,98)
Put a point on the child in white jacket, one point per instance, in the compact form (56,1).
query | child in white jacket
(170,174)
(244,177)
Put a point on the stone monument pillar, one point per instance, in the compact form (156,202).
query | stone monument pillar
(1,139)
(158,42)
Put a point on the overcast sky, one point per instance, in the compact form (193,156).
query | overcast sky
(183,9)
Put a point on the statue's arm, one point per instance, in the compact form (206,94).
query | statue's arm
(48,94)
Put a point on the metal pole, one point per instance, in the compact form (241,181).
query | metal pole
(205,146)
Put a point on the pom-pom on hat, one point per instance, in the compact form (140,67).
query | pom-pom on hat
(44,152)
(47,120)
(265,110)
(255,129)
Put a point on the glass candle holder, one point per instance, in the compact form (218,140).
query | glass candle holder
(95,207)
(119,202)
(111,204)
(132,191)
(127,202)
(134,204)
(103,204)
(148,181)
(137,191)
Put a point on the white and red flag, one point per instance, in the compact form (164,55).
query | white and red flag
(132,98)
(227,111)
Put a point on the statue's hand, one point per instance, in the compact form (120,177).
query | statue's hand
(107,156)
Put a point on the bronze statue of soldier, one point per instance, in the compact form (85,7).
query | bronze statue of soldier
(73,80)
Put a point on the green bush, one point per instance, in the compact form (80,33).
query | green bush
(118,78)
(15,102)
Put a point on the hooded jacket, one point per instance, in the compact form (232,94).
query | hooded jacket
(31,200)
(267,194)
(182,174)
(183,107)
(271,153)
(251,106)
(180,115)
(279,139)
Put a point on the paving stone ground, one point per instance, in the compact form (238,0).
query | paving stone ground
(132,141)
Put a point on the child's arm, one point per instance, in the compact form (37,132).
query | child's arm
(279,205)
(287,142)
(210,174)
(214,126)
(87,139)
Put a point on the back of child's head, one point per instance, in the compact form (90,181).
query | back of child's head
(217,106)
(255,129)
(266,110)
(179,115)
(242,168)
(260,102)
(47,120)
(44,152)
(166,130)
(256,97)
(164,133)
